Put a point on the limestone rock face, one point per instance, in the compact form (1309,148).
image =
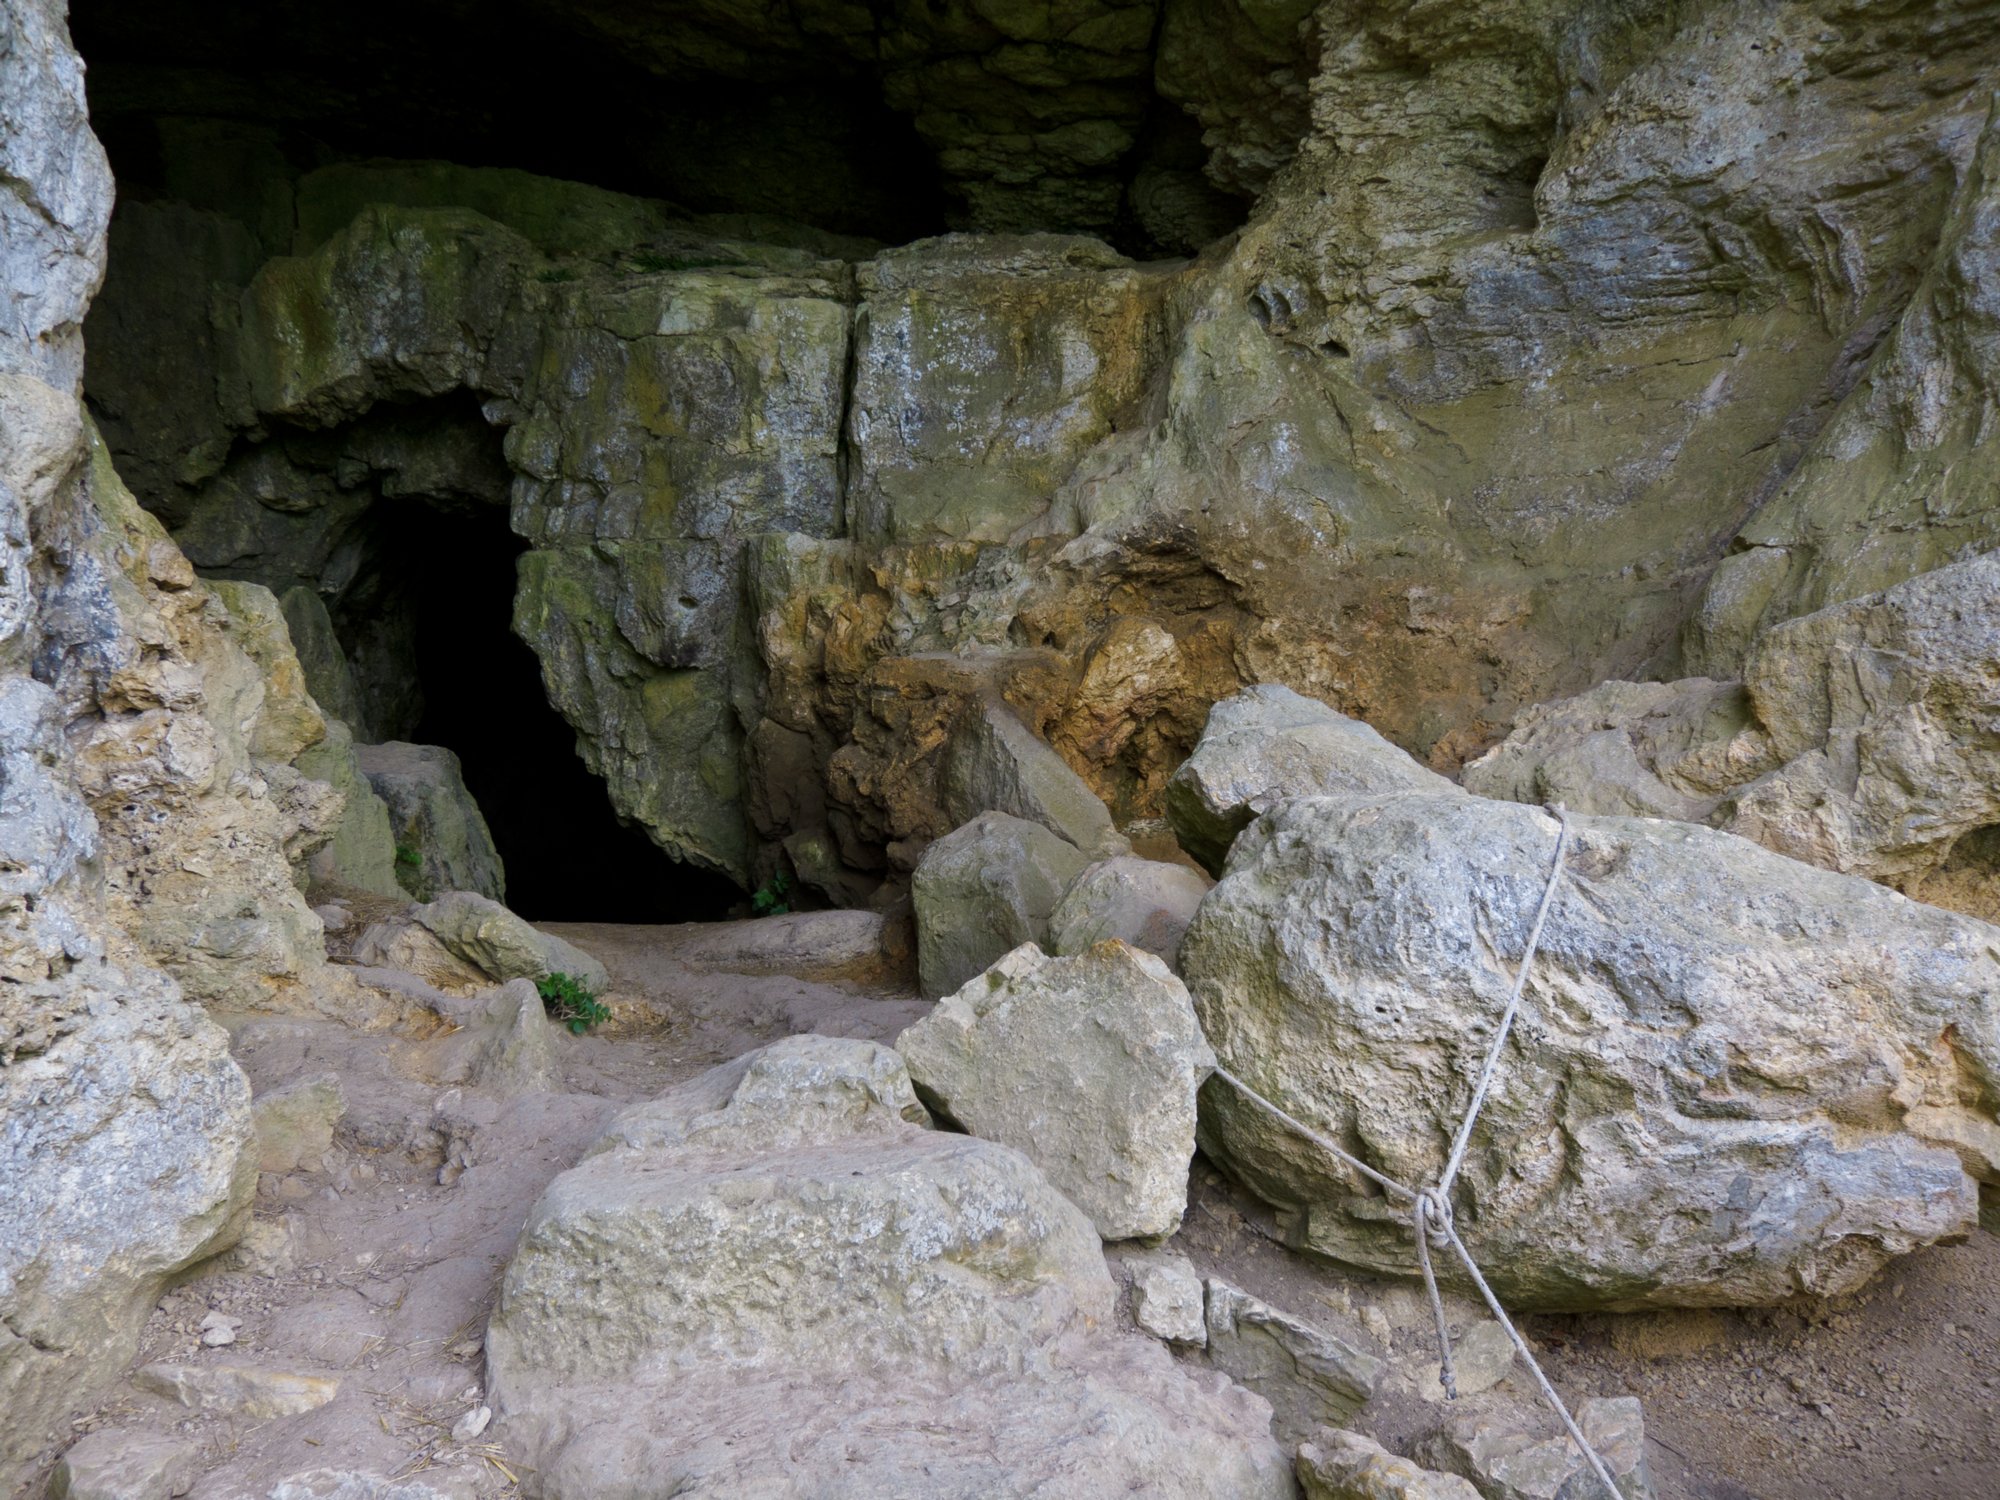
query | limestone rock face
(1145,902)
(442,842)
(140,1098)
(1855,742)
(787,1215)
(1088,1066)
(984,890)
(1669,1126)
(1266,744)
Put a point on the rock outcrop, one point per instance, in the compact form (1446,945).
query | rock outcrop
(441,839)
(788,1215)
(1857,740)
(1669,1125)
(1088,1066)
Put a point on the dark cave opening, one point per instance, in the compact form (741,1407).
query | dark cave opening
(187,93)
(567,854)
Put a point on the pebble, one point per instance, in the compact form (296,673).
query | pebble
(469,1426)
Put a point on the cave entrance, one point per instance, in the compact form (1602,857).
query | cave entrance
(568,855)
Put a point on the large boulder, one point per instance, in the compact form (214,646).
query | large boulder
(983,890)
(1736,1078)
(442,841)
(1145,902)
(1268,743)
(774,1280)
(361,855)
(1088,1066)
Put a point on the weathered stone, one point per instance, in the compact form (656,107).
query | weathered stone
(1168,1299)
(238,1389)
(1630,749)
(1339,1465)
(117,1465)
(1310,1377)
(295,1124)
(1145,902)
(807,944)
(503,946)
(784,1216)
(442,842)
(995,763)
(1266,744)
(984,890)
(510,1045)
(984,371)
(1088,1066)
(1855,742)
(361,855)
(1506,1460)
(1351,964)
(139,1098)
(1482,1355)
(321,657)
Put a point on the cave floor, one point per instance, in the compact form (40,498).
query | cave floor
(374,1268)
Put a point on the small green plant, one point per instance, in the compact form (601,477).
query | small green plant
(405,855)
(768,900)
(568,1000)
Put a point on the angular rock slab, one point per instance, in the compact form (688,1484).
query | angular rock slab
(996,763)
(773,1280)
(1735,1077)
(1309,1376)
(1145,902)
(115,1465)
(1266,744)
(1506,1461)
(983,890)
(503,946)
(1339,1465)
(1088,1066)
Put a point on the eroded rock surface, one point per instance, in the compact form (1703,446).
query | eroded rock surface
(983,891)
(1668,1126)
(739,1252)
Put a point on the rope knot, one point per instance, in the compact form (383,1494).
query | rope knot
(1433,1217)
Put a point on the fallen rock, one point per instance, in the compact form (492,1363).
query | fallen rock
(1311,1378)
(1532,1458)
(1635,749)
(503,946)
(1482,1355)
(1168,1299)
(1088,1066)
(117,1465)
(1671,1125)
(1340,1465)
(401,955)
(983,890)
(785,1217)
(1266,744)
(1145,902)
(295,1124)
(442,842)
(238,1389)
(996,763)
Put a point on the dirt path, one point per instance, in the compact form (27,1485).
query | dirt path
(377,1267)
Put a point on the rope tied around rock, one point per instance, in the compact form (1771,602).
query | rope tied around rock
(1431,1221)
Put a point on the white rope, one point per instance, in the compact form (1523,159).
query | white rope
(1430,1208)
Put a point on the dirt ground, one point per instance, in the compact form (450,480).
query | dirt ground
(378,1267)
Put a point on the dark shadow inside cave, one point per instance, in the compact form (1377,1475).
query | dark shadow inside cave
(568,855)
